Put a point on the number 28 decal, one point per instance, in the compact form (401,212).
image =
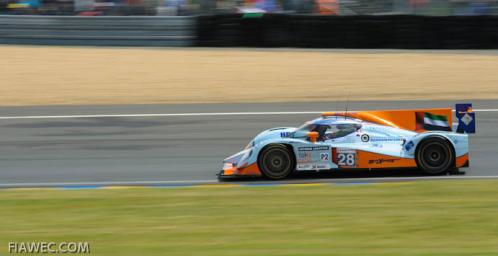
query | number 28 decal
(346,158)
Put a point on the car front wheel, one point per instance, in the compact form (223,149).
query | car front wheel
(276,162)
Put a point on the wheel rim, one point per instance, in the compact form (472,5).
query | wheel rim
(276,163)
(435,157)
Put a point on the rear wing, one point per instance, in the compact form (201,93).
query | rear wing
(418,120)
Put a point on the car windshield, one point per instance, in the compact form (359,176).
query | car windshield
(302,131)
(340,130)
(327,129)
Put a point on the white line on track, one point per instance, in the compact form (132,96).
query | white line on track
(207,182)
(164,115)
(186,114)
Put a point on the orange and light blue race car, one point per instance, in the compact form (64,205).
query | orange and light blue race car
(421,138)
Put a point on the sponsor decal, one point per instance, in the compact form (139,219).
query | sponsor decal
(409,146)
(311,166)
(314,148)
(381,161)
(285,134)
(304,157)
(431,122)
(303,167)
(365,137)
(319,166)
(345,150)
(386,139)
(324,156)
(346,157)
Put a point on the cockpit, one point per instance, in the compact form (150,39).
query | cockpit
(329,127)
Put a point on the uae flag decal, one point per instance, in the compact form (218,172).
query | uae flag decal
(430,122)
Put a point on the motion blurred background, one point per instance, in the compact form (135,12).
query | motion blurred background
(234,71)
(199,7)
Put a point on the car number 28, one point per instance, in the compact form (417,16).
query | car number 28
(346,159)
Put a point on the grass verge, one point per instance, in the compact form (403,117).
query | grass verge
(419,218)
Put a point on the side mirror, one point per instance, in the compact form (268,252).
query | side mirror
(313,136)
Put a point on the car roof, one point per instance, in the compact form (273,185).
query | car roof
(329,120)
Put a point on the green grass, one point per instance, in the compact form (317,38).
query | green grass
(419,218)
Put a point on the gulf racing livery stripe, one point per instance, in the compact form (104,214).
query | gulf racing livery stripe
(360,159)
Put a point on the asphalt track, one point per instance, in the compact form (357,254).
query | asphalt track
(163,144)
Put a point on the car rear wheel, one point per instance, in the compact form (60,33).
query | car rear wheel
(435,156)
(276,162)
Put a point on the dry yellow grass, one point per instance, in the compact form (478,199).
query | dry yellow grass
(70,75)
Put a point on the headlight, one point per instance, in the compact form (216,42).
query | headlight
(250,145)
(242,162)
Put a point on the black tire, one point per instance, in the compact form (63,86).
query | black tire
(435,156)
(276,162)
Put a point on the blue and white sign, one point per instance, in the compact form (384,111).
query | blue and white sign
(466,118)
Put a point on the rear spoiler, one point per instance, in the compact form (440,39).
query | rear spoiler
(419,120)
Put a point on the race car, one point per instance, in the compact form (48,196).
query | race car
(420,138)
